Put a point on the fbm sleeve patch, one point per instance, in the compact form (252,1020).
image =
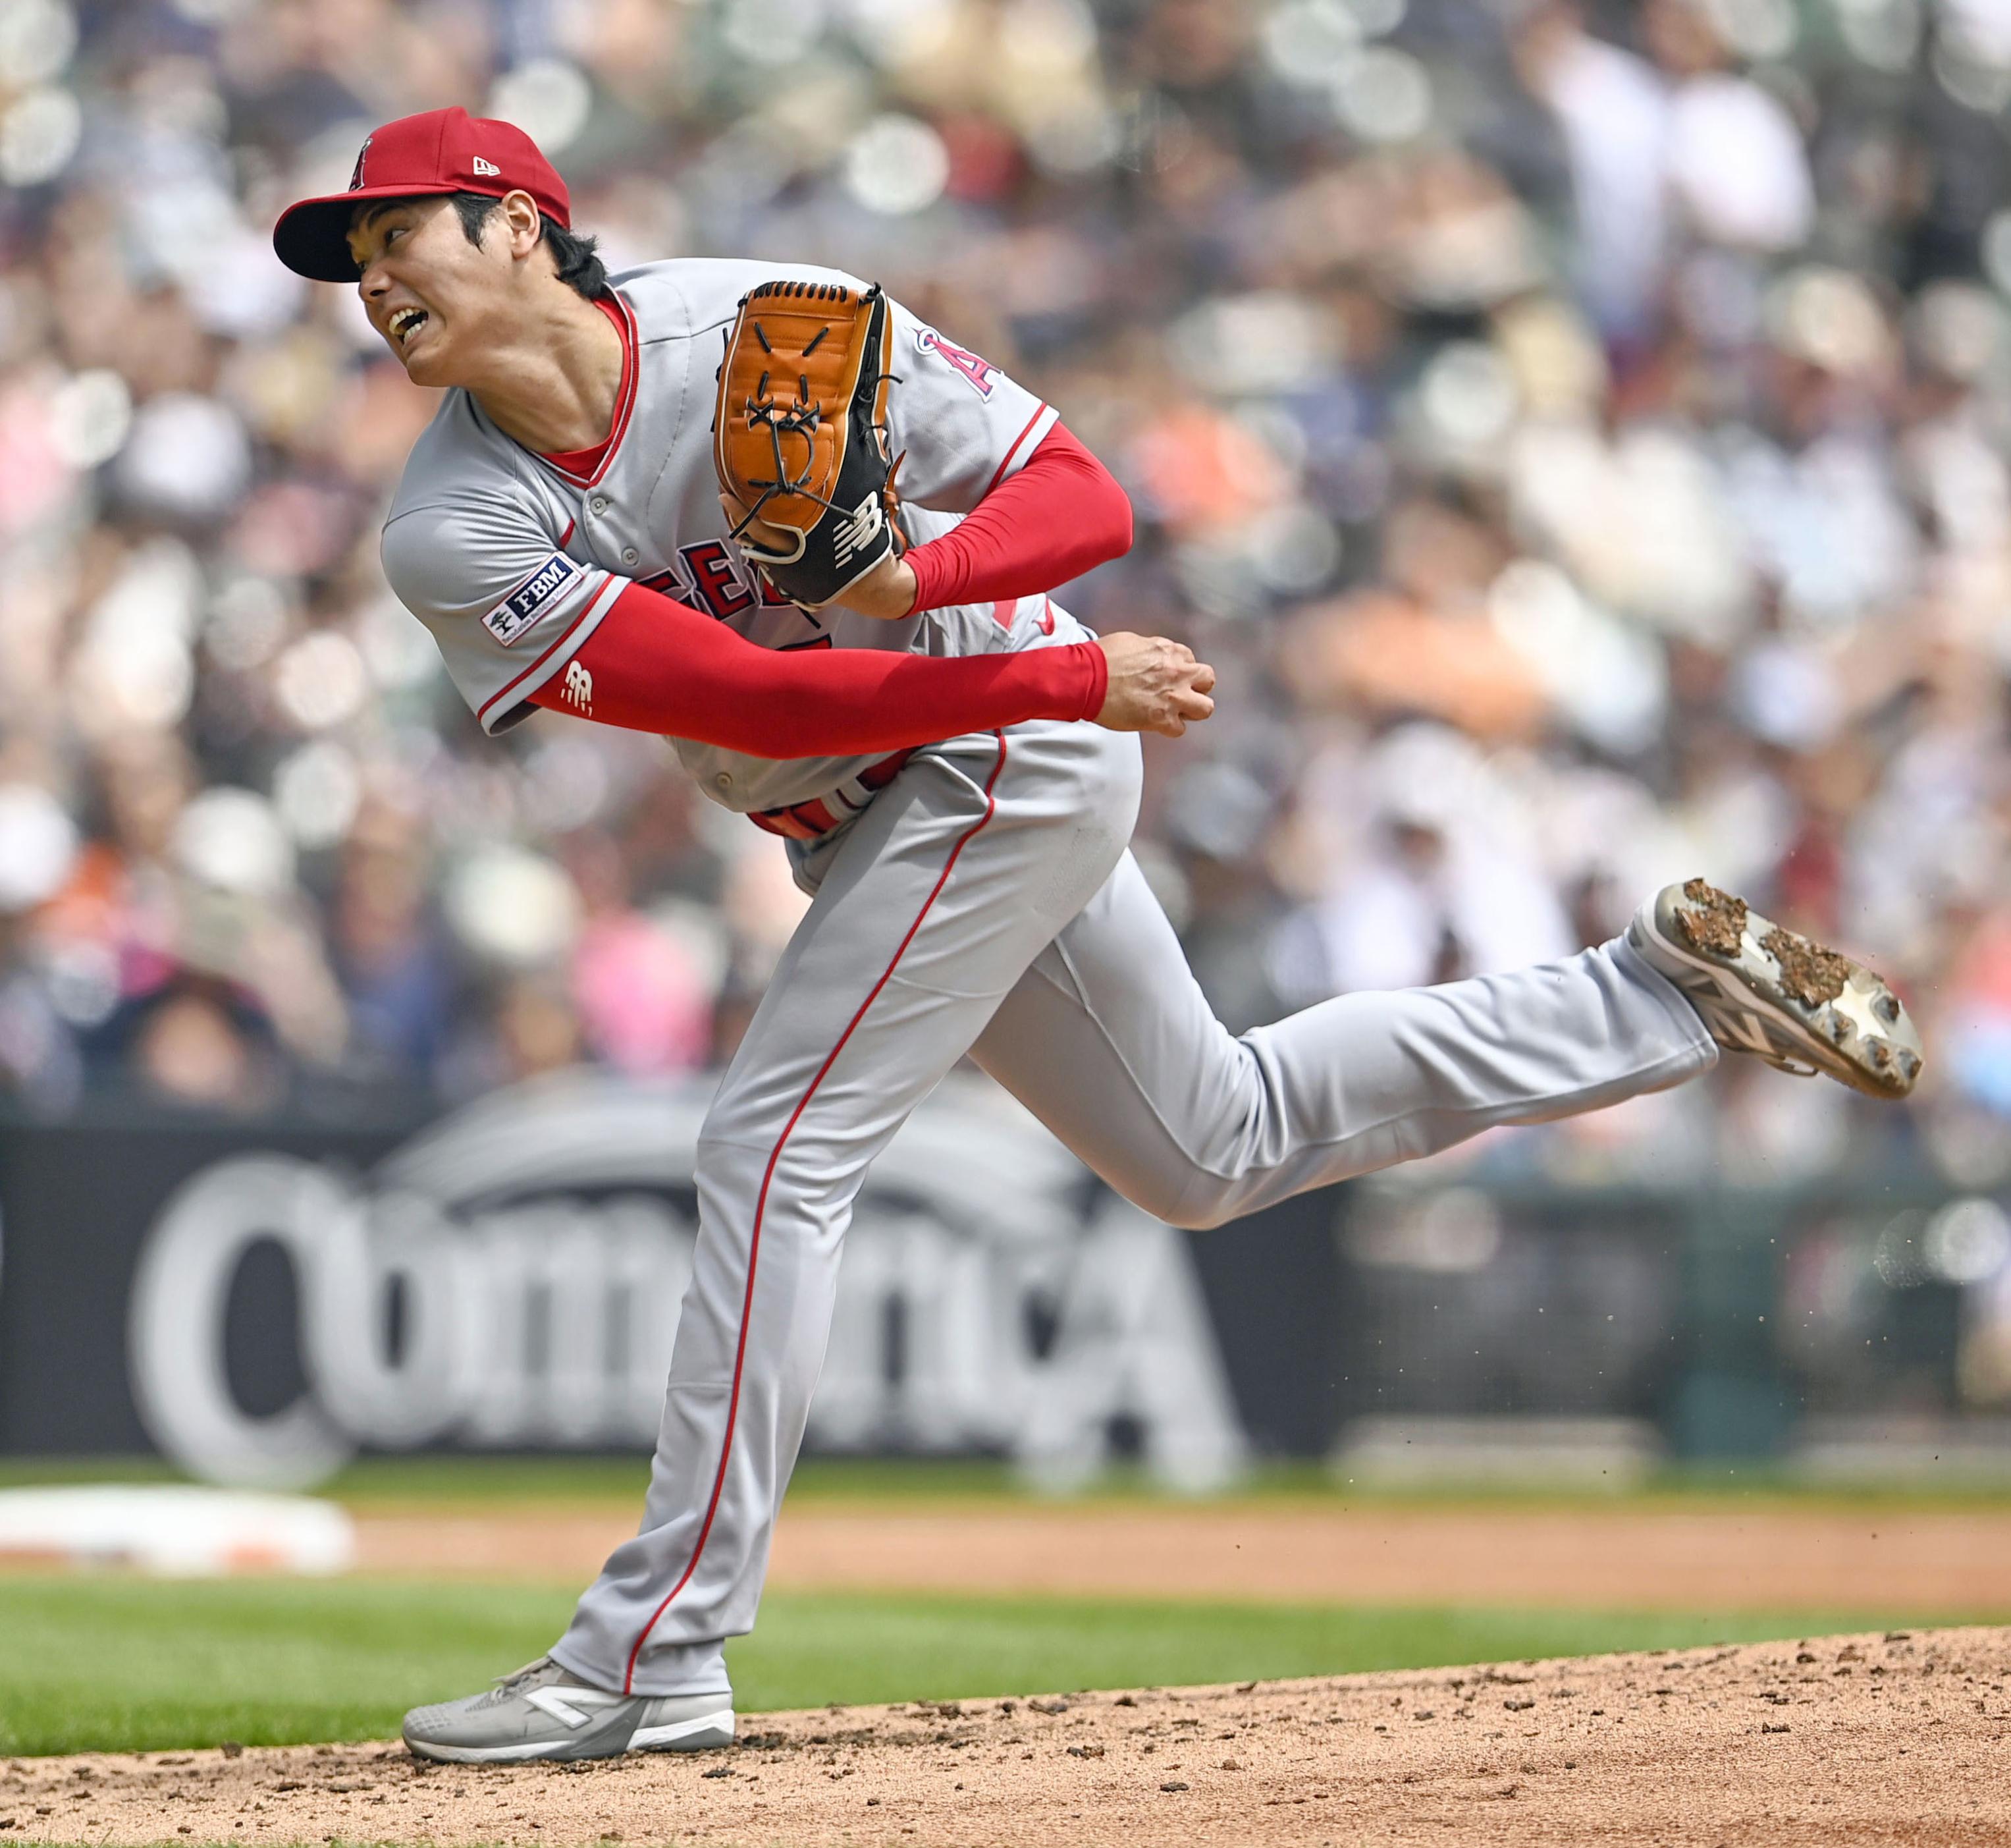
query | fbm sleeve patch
(511,618)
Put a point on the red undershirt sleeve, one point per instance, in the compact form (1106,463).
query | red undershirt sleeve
(654,664)
(1060,515)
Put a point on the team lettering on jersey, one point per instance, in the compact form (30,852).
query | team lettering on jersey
(511,618)
(981,374)
(714,580)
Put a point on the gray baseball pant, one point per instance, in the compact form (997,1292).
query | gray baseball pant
(985,902)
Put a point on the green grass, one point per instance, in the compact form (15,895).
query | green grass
(124,1663)
(511,1482)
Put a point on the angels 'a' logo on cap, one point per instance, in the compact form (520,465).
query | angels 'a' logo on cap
(486,166)
(356,173)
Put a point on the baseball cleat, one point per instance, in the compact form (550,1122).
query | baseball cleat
(1764,990)
(545,1711)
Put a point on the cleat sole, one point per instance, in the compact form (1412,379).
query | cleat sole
(1770,991)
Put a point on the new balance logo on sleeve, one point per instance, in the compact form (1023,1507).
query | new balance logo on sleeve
(578,688)
(511,617)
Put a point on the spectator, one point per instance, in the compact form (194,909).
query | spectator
(1575,428)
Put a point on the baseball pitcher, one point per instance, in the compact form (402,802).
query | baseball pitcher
(762,510)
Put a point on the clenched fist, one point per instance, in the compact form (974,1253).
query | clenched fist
(1155,686)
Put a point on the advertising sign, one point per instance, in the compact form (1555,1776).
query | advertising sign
(510,1278)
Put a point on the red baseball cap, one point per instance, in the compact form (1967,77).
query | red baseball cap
(444,150)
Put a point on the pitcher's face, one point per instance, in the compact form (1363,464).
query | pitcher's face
(437,298)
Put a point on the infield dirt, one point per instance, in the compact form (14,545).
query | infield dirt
(1893,1739)
(1928,1562)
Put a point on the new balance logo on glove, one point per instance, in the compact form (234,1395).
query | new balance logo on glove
(857,530)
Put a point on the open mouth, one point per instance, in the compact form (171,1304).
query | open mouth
(405,325)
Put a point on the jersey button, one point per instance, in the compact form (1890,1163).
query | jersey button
(629,554)
(724,779)
(599,503)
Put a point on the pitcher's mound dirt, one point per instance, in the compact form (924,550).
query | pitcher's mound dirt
(1892,1739)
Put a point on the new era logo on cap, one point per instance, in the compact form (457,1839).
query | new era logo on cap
(484,166)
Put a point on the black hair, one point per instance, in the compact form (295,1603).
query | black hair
(573,255)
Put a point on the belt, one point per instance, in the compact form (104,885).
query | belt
(807,821)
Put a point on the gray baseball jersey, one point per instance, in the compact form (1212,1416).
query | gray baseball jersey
(511,561)
(982,903)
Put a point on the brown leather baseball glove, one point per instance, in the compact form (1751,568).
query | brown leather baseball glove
(800,433)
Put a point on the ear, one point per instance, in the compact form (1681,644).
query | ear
(520,217)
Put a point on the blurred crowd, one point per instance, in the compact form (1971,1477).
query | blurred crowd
(1577,431)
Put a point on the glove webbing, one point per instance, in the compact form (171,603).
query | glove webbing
(802,418)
